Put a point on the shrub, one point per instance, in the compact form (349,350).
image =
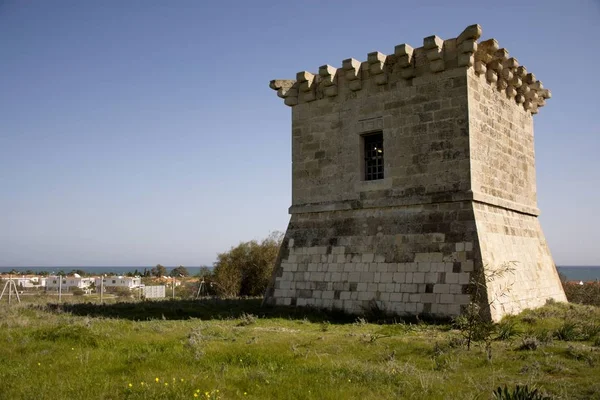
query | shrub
(77,292)
(245,270)
(588,293)
(186,290)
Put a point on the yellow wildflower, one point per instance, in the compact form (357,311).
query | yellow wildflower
(156,379)
(130,385)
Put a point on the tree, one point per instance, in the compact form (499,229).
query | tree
(245,270)
(204,272)
(179,271)
(158,271)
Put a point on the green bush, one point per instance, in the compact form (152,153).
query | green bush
(245,270)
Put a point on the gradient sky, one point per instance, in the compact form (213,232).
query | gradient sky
(144,132)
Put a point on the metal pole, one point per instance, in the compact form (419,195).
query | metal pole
(173,288)
(9,287)
(101,288)
(60,289)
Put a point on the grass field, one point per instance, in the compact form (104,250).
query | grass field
(236,349)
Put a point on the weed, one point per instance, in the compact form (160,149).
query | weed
(529,319)
(544,336)
(567,331)
(580,354)
(456,341)
(529,343)
(519,393)
(475,323)
(530,368)
(507,329)
(72,334)
(246,319)
(590,330)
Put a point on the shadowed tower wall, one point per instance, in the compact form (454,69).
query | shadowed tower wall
(456,193)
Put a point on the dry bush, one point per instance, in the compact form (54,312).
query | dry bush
(588,293)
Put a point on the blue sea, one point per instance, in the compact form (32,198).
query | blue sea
(573,273)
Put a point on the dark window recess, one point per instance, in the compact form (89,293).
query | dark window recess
(374,157)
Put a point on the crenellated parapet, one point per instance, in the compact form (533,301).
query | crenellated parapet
(485,58)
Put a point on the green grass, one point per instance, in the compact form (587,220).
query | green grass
(236,349)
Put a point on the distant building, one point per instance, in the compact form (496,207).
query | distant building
(110,282)
(27,281)
(68,282)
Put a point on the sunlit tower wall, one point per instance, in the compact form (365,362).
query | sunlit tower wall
(413,179)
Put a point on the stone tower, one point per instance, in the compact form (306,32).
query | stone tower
(412,175)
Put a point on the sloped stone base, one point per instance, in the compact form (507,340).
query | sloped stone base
(413,260)
(515,240)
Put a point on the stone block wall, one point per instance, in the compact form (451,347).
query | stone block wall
(502,149)
(425,134)
(458,194)
(408,259)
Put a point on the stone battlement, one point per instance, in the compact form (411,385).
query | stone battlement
(436,55)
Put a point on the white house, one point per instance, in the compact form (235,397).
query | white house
(128,282)
(68,282)
(26,281)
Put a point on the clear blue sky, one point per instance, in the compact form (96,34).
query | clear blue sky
(144,132)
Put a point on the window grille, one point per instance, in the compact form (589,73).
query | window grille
(373,156)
